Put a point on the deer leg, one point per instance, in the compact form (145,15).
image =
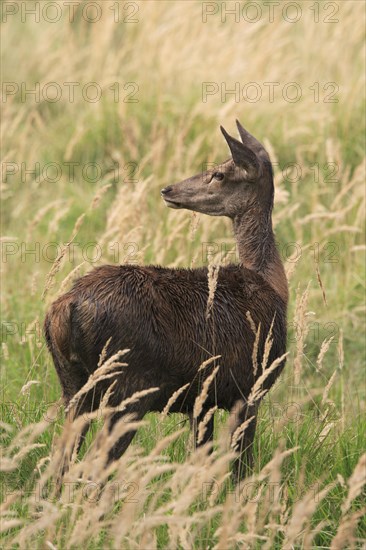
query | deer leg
(202,433)
(87,403)
(138,411)
(243,441)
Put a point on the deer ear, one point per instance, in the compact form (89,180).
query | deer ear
(248,139)
(242,155)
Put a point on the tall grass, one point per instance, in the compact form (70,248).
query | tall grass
(306,490)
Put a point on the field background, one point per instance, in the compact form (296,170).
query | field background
(155,127)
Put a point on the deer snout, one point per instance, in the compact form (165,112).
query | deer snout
(169,201)
(166,190)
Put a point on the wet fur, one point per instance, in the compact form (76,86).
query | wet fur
(160,314)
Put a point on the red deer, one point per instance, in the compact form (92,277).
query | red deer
(159,314)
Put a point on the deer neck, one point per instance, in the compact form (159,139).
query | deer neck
(257,249)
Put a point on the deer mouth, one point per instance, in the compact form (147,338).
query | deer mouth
(172,204)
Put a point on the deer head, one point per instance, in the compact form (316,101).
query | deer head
(240,184)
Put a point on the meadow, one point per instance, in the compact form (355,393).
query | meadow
(105,103)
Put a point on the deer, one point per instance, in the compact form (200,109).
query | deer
(159,314)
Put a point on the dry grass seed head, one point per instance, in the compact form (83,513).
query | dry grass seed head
(323,350)
(256,331)
(202,427)
(200,400)
(302,327)
(212,275)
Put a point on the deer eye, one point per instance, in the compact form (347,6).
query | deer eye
(218,176)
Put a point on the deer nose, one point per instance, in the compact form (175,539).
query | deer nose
(166,190)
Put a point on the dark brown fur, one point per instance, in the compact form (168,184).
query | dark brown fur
(159,314)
